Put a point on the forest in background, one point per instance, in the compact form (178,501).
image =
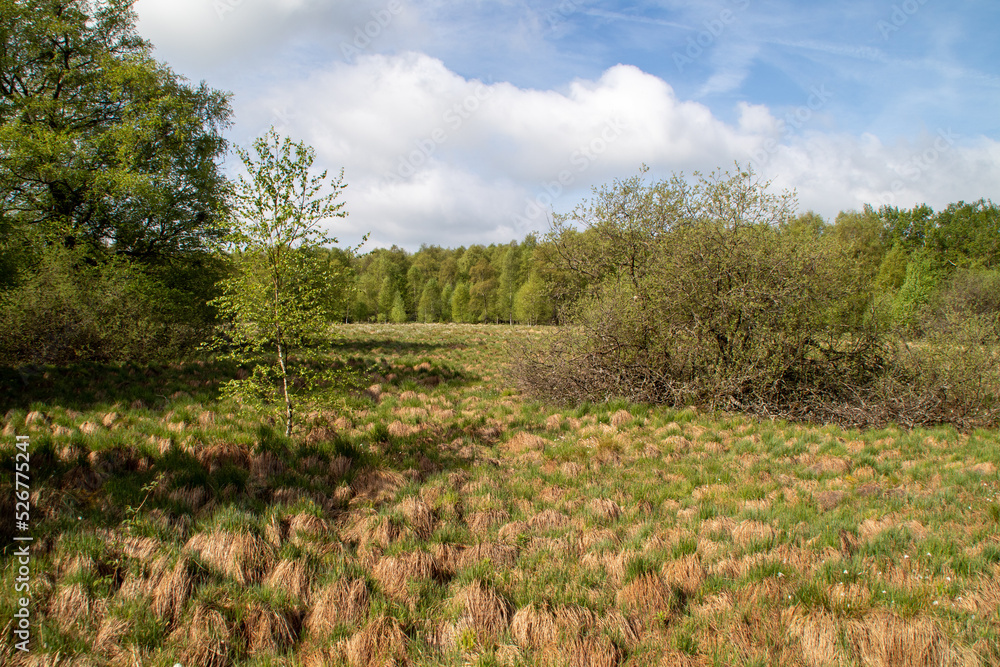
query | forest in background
(906,257)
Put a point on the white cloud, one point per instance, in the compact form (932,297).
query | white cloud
(433,157)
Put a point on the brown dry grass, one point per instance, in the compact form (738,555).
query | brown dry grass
(604,509)
(206,640)
(486,612)
(267,630)
(70,605)
(293,577)
(649,598)
(380,643)
(377,486)
(221,454)
(686,574)
(394,574)
(499,555)
(345,601)
(243,556)
(583,651)
(887,640)
(533,628)
(305,527)
(752,532)
(420,516)
(170,588)
(523,442)
(548,520)
(482,522)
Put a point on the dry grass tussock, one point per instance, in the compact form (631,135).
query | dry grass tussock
(880,639)
(368,530)
(377,486)
(267,630)
(482,522)
(499,555)
(885,640)
(398,429)
(345,601)
(292,577)
(533,627)
(548,520)
(70,606)
(604,509)
(304,526)
(395,573)
(219,455)
(747,533)
(170,588)
(582,651)
(419,515)
(686,574)
(109,639)
(243,556)
(381,643)
(206,640)
(523,441)
(486,612)
(648,597)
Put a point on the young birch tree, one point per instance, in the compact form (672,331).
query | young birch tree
(276,296)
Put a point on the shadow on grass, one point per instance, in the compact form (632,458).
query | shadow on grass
(78,481)
(388,345)
(86,385)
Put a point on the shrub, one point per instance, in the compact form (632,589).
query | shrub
(695,294)
(71,309)
(712,294)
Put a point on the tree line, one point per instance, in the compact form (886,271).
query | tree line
(904,257)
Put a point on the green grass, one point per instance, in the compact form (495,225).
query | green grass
(918,522)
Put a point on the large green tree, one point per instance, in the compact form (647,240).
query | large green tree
(101,144)
(110,164)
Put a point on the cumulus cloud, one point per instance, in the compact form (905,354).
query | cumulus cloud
(434,157)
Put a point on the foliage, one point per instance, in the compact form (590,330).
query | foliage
(100,140)
(69,309)
(277,299)
(698,293)
(712,293)
(111,157)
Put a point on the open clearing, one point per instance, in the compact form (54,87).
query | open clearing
(434,517)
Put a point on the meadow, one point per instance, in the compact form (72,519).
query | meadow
(430,514)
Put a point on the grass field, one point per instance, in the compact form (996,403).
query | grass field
(433,516)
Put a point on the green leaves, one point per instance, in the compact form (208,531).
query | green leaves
(98,136)
(282,293)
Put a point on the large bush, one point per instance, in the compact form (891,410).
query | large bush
(713,294)
(72,308)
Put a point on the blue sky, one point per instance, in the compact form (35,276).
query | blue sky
(471,121)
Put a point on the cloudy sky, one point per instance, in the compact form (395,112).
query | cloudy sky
(470,121)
